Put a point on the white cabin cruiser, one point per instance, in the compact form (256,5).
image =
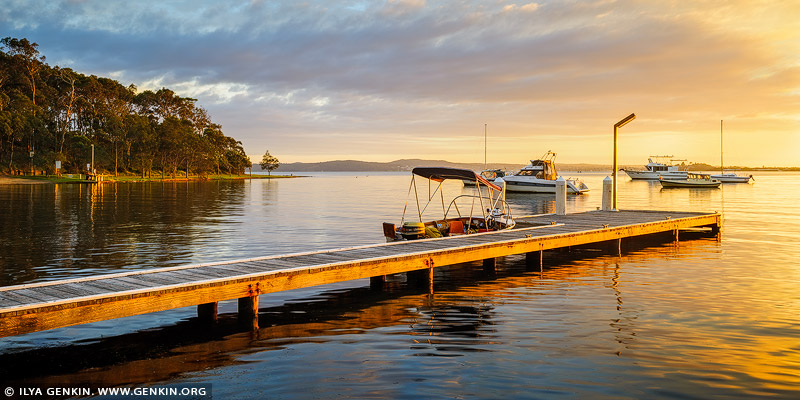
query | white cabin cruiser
(540,177)
(489,174)
(657,170)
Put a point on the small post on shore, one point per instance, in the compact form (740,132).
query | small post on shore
(561,196)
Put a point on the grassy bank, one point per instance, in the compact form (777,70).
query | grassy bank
(11,179)
(137,178)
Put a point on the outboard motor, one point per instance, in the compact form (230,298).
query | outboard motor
(412,230)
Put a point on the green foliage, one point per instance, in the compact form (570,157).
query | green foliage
(269,162)
(59,114)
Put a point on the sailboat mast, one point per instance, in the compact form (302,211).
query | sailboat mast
(484,146)
(721,165)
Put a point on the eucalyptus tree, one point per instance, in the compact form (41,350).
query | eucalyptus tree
(24,56)
(269,162)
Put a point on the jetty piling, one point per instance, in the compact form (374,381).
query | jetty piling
(607,188)
(561,196)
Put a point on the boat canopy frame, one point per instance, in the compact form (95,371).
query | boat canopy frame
(440,174)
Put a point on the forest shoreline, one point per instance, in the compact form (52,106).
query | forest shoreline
(51,179)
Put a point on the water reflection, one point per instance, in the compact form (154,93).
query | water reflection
(57,231)
(469,312)
(699,318)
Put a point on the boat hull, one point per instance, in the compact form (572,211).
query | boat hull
(651,176)
(535,185)
(670,184)
(731,178)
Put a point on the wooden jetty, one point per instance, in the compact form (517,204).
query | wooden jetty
(49,305)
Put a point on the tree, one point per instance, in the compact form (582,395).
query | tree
(268,162)
(58,114)
(27,55)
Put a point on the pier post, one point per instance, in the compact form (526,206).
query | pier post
(207,312)
(534,259)
(561,196)
(377,282)
(490,265)
(607,188)
(430,279)
(422,277)
(248,311)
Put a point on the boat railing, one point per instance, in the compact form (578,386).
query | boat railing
(503,205)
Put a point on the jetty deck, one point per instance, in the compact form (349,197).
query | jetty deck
(48,305)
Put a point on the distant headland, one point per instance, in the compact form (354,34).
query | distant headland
(408,164)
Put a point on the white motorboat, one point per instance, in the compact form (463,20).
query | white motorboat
(691,181)
(729,177)
(658,170)
(489,174)
(732,178)
(540,177)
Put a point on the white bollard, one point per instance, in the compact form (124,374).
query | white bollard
(607,187)
(561,196)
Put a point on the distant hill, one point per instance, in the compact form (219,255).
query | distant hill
(408,164)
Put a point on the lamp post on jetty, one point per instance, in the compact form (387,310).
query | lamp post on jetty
(618,125)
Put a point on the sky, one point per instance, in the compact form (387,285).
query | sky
(385,80)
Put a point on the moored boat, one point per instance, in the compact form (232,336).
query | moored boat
(692,180)
(488,209)
(729,177)
(489,174)
(655,170)
(732,178)
(540,177)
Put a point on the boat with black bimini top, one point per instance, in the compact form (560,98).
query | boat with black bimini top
(540,177)
(488,209)
(692,181)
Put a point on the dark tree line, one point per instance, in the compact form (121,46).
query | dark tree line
(57,114)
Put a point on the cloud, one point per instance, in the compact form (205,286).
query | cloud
(379,68)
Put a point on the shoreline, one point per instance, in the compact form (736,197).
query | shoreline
(50,179)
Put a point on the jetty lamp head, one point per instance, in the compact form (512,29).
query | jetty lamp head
(618,125)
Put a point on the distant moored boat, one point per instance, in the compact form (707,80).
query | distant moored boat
(657,170)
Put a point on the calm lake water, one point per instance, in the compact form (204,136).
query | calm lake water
(697,319)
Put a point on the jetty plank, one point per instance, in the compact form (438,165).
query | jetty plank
(48,305)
